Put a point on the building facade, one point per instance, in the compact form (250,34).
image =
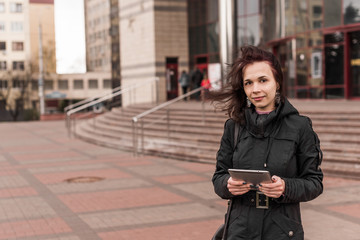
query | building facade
(20,24)
(318,45)
(317,42)
(153,43)
(98,42)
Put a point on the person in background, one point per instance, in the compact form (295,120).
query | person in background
(206,84)
(272,136)
(184,82)
(196,79)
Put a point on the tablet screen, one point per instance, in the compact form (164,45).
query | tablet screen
(251,176)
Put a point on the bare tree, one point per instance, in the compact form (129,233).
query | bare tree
(15,92)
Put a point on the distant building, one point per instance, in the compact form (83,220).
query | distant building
(154,42)
(98,42)
(316,41)
(20,22)
(131,42)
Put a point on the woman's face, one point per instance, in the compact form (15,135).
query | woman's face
(260,86)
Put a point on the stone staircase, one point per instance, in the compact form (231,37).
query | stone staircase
(195,137)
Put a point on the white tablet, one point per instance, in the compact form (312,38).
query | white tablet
(251,176)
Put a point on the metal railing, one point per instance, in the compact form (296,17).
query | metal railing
(89,108)
(138,131)
(71,106)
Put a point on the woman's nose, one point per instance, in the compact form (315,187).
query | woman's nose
(256,87)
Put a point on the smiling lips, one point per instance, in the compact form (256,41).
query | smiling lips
(258,98)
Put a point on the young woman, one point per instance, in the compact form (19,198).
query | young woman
(273,137)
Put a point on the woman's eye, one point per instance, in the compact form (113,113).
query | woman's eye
(263,80)
(247,83)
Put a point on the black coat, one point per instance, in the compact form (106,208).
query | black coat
(286,142)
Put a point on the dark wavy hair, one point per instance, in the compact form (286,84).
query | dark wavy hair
(232,98)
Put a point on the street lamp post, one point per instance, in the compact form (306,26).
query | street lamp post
(41,74)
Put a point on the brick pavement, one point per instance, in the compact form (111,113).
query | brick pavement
(136,198)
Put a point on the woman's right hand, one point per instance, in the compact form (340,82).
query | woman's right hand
(237,187)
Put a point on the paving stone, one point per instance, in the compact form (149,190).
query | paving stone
(140,216)
(142,197)
(348,209)
(185,231)
(180,179)
(17,192)
(12,181)
(36,227)
(24,208)
(51,178)
(320,226)
(203,190)
(156,170)
(106,184)
(128,198)
(67,168)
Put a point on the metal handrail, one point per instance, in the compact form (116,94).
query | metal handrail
(105,97)
(140,116)
(165,104)
(71,106)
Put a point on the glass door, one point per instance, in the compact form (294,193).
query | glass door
(354,65)
(283,51)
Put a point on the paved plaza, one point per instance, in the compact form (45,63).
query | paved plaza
(58,188)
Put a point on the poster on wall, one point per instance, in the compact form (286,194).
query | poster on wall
(316,66)
(214,71)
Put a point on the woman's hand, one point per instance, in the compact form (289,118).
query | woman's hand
(274,189)
(238,187)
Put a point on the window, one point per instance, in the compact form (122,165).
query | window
(3,84)
(16,83)
(16,7)
(350,11)
(332,13)
(2,26)
(2,7)
(48,84)
(63,84)
(2,65)
(17,46)
(78,84)
(317,10)
(93,83)
(334,62)
(34,84)
(317,24)
(18,65)
(2,45)
(107,83)
(16,26)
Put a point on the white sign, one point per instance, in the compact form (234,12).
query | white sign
(214,71)
(316,65)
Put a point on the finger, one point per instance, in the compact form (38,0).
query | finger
(235,182)
(239,192)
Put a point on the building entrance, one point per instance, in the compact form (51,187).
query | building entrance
(354,65)
(202,63)
(171,78)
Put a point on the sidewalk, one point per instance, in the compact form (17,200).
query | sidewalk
(121,197)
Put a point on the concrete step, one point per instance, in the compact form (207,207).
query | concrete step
(194,139)
(341,170)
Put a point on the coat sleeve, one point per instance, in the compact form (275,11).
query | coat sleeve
(224,161)
(308,184)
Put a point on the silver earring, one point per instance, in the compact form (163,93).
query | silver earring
(248,102)
(277,98)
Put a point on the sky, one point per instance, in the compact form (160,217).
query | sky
(70,36)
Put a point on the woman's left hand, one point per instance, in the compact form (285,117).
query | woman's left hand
(274,189)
